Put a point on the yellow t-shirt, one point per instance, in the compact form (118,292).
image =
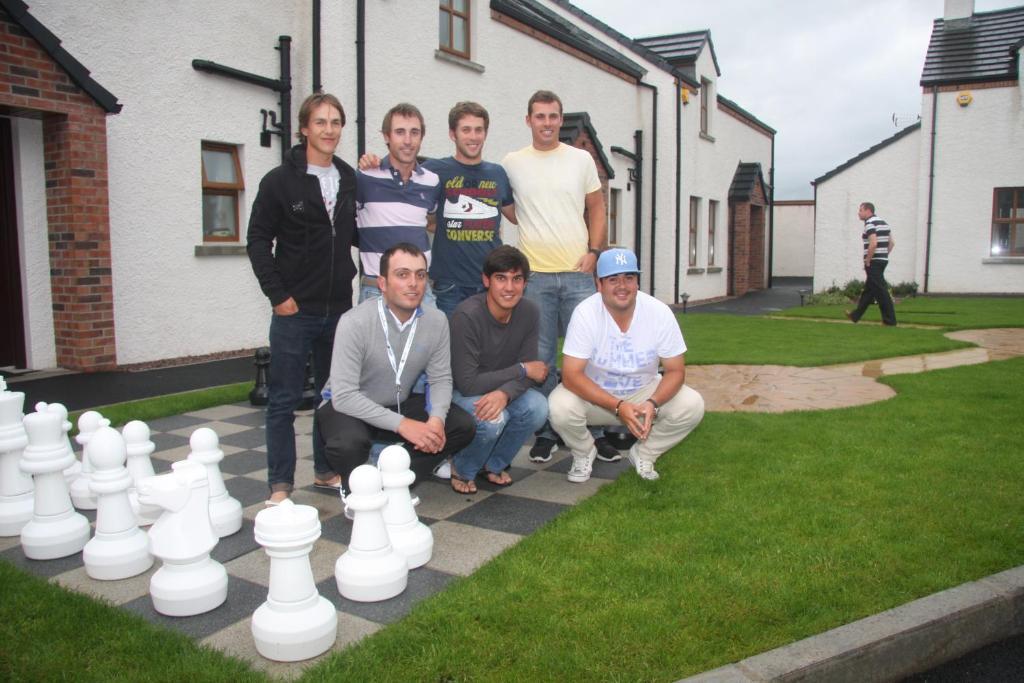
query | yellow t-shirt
(550,189)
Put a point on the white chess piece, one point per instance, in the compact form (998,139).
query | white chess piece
(139,447)
(75,471)
(225,511)
(55,530)
(119,548)
(409,536)
(190,581)
(295,622)
(15,485)
(81,493)
(370,570)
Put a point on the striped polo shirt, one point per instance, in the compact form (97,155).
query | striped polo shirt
(389,211)
(880,229)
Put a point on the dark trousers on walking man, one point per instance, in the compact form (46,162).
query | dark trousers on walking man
(875,289)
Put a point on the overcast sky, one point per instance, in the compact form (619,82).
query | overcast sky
(828,75)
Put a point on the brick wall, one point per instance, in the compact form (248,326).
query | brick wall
(748,243)
(75,149)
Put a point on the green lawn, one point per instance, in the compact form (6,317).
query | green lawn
(762,530)
(957,313)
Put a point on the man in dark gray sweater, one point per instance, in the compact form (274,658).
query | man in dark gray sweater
(496,368)
(380,348)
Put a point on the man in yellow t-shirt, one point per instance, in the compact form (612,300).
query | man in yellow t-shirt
(553,184)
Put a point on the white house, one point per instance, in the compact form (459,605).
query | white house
(793,238)
(952,185)
(133,137)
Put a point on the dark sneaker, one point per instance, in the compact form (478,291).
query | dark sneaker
(542,449)
(606,451)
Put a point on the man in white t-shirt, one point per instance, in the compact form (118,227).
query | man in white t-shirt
(617,339)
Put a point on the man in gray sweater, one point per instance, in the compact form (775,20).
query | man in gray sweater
(380,348)
(497,370)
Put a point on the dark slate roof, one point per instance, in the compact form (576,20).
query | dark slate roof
(868,152)
(574,123)
(538,17)
(745,180)
(626,42)
(746,114)
(984,50)
(79,75)
(682,49)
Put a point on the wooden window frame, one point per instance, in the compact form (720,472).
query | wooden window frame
(712,229)
(694,229)
(234,189)
(1014,222)
(447,7)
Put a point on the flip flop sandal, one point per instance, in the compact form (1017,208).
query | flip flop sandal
(470,485)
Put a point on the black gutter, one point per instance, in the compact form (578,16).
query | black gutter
(636,174)
(771,216)
(317,85)
(679,179)
(931,190)
(654,175)
(360,77)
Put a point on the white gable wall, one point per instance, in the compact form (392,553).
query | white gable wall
(793,255)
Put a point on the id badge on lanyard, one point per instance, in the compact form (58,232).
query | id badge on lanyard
(399,366)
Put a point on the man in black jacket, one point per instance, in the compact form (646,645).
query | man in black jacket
(301,231)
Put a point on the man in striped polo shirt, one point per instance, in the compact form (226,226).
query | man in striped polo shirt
(393,200)
(878,244)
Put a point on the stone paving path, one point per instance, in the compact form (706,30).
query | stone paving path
(780,388)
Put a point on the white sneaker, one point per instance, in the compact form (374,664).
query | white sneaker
(443,470)
(644,468)
(581,467)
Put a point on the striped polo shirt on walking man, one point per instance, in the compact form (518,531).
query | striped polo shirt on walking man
(389,211)
(872,226)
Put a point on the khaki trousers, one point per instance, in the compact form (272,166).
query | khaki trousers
(570,415)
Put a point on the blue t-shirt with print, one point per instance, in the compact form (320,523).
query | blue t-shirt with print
(469,218)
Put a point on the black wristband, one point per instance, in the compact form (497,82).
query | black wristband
(617,406)
(595,252)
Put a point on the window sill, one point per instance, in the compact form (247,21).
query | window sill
(694,271)
(715,269)
(1009,260)
(705,136)
(459,61)
(211,249)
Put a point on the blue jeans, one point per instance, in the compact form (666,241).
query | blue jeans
(450,294)
(292,337)
(373,292)
(496,443)
(557,295)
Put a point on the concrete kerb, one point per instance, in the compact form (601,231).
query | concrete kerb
(895,643)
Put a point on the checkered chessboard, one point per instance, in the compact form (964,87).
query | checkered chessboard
(468,531)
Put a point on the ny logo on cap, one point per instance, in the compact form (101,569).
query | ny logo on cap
(620,259)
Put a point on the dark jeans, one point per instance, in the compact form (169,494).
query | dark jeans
(450,294)
(875,289)
(348,439)
(292,337)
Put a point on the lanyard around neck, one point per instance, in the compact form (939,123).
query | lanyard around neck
(399,366)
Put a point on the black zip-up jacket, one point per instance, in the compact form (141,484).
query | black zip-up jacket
(311,260)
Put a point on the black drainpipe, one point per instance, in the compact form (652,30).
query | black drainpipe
(654,175)
(636,175)
(931,190)
(679,178)
(771,215)
(317,85)
(285,48)
(361,77)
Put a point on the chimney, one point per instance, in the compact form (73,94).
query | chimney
(957,15)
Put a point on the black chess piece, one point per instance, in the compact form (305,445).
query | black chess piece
(260,393)
(310,397)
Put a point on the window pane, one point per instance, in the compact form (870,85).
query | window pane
(459,5)
(1020,204)
(1004,203)
(1000,239)
(219,166)
(459,38)
(444,36)
(220,216)
(1017,230)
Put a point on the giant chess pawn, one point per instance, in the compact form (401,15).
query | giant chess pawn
(140,447)
(409,536)
(119,548)
(15,485)
(190,581)
(75,471)
(370,570)
(55,530)
(81,493)
(295,622)
(225,511)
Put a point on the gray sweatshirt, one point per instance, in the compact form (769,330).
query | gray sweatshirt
(362,382)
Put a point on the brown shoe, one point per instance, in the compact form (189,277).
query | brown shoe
(849,316)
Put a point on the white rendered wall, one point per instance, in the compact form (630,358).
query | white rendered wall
(793,253)
(889,179)
(979,147)
(33,242)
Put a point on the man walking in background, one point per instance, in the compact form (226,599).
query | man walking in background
(878,244)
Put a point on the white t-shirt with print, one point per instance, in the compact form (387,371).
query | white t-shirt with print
(619,362)
(330,179)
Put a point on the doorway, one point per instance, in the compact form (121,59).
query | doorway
(12,319)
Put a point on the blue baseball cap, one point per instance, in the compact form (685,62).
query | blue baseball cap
(615,261)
